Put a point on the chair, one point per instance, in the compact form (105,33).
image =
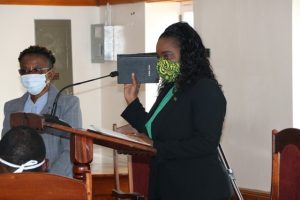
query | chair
(41,186)
(138,170)
(285,164)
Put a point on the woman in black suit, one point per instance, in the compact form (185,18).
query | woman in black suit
(185,123)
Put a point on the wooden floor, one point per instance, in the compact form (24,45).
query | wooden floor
(249,194)
(103,185)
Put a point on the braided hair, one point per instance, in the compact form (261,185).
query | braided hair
(194,63)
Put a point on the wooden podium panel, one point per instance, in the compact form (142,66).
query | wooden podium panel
(82,143)
(41,186)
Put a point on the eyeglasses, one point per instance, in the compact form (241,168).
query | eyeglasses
(34,70)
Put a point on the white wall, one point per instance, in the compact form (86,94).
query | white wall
(143,23)
(132,18)
(17,33)
(101,101)
(296,63)
(250,44)
(158,17)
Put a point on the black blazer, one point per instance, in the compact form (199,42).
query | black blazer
(186,134)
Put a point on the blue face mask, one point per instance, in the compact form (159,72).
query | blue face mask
(34,83)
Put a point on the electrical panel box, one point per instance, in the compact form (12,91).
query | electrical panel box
(97,43)
(106,42)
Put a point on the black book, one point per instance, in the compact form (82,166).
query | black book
(142,64)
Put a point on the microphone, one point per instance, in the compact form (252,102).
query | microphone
(52,117)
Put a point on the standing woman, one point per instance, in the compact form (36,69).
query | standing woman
(185,123)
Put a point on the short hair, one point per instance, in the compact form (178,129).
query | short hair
(22,144)
(38,50)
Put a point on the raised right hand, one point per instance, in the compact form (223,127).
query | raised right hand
(131,91)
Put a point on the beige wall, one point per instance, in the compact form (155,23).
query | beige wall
(250,44)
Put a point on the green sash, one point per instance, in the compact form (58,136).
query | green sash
(162,104)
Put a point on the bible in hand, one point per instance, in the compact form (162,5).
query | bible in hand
(142,64)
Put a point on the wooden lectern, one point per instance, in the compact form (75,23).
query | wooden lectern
(82,143)
(138,171)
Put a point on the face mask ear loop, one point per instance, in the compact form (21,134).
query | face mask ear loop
(31,164)
(48,80)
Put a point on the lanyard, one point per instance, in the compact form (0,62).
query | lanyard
(162,104)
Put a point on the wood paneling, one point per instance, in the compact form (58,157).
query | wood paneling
(104,183)
(249,194)
(52,2)
(77,2)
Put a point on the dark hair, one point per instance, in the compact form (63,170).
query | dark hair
(21,144)
(194,63)
(38,50)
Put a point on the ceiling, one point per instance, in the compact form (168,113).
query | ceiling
(77,2)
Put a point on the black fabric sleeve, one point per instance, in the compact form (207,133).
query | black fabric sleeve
(207,116)
(136,115)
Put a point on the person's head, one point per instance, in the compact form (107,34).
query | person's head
(36,69)
(22,149)
(181,44)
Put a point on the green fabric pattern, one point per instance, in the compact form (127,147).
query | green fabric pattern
(167,70)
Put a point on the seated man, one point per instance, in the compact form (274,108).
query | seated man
(22,149)
(36,73)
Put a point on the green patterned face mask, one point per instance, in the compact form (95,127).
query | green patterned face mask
(168,70)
